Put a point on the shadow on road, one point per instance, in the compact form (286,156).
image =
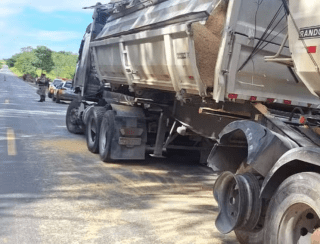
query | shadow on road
(170,199)
(68,195)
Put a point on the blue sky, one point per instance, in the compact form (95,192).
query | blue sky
(57,24)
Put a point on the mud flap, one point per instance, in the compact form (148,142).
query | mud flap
(130,133)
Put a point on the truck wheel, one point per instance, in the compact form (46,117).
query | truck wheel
(250,237)
(57,100)
(294,210)
(106,135)
(72,118)
(93,128)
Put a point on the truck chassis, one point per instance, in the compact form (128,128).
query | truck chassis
(268,153)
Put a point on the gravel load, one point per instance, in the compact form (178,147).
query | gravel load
(207,39)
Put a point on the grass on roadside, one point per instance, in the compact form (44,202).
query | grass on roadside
(2,62)
(16,71)
(50,75)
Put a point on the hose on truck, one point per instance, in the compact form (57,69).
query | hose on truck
(265,35)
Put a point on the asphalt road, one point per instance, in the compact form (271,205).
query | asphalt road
(53,190)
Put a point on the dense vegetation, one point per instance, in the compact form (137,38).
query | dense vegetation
(2,62)
(42,60)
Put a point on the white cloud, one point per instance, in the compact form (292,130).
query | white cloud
(6,11)
(9,7)
(57,36)
(14,34)
(16,2)
(61,5)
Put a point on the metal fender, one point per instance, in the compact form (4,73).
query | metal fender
(249,142)
(297,160)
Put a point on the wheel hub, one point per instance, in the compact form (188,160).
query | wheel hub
(239,202)
(315,237)
(298,224)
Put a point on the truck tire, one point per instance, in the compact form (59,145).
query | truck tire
(294,210)
(250,237)
(93,128)
(106,135)
(71,118)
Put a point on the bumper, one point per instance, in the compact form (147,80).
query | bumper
(66,96)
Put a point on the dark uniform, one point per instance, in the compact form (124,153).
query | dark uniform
(42,88)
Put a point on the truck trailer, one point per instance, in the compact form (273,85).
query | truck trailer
(237,82)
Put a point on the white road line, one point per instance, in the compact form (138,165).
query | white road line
(31,112)
(11,139)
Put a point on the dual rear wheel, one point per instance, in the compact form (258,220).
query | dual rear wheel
(99,132)
(293,213)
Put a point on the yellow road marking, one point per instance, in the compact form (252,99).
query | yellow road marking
(6,101)
(11,142)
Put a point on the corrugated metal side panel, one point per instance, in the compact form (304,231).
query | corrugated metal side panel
(159,59)
(264,80)
(257,80)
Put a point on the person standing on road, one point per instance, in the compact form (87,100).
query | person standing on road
(42,88)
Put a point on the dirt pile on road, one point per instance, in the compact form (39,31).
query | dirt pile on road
(28,78)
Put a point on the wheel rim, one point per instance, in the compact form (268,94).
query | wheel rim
(239,202)
(93,130)
(298,224)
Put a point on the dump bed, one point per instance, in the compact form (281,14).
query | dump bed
(200,47)
(304,41)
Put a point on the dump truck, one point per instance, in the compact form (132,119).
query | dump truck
(236,82)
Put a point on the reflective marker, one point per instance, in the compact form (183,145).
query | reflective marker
(288,102)
(232,96)
(11,139)
(312,49)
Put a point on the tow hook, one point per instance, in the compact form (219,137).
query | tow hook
(239,202)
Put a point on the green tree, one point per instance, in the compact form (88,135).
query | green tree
(43,59)
(64,64)
(24,63)
(11,61)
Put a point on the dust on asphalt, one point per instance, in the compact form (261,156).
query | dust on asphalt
(62,193)
(156,201)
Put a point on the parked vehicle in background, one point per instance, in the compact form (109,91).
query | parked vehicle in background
(64,91)
(52,86)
